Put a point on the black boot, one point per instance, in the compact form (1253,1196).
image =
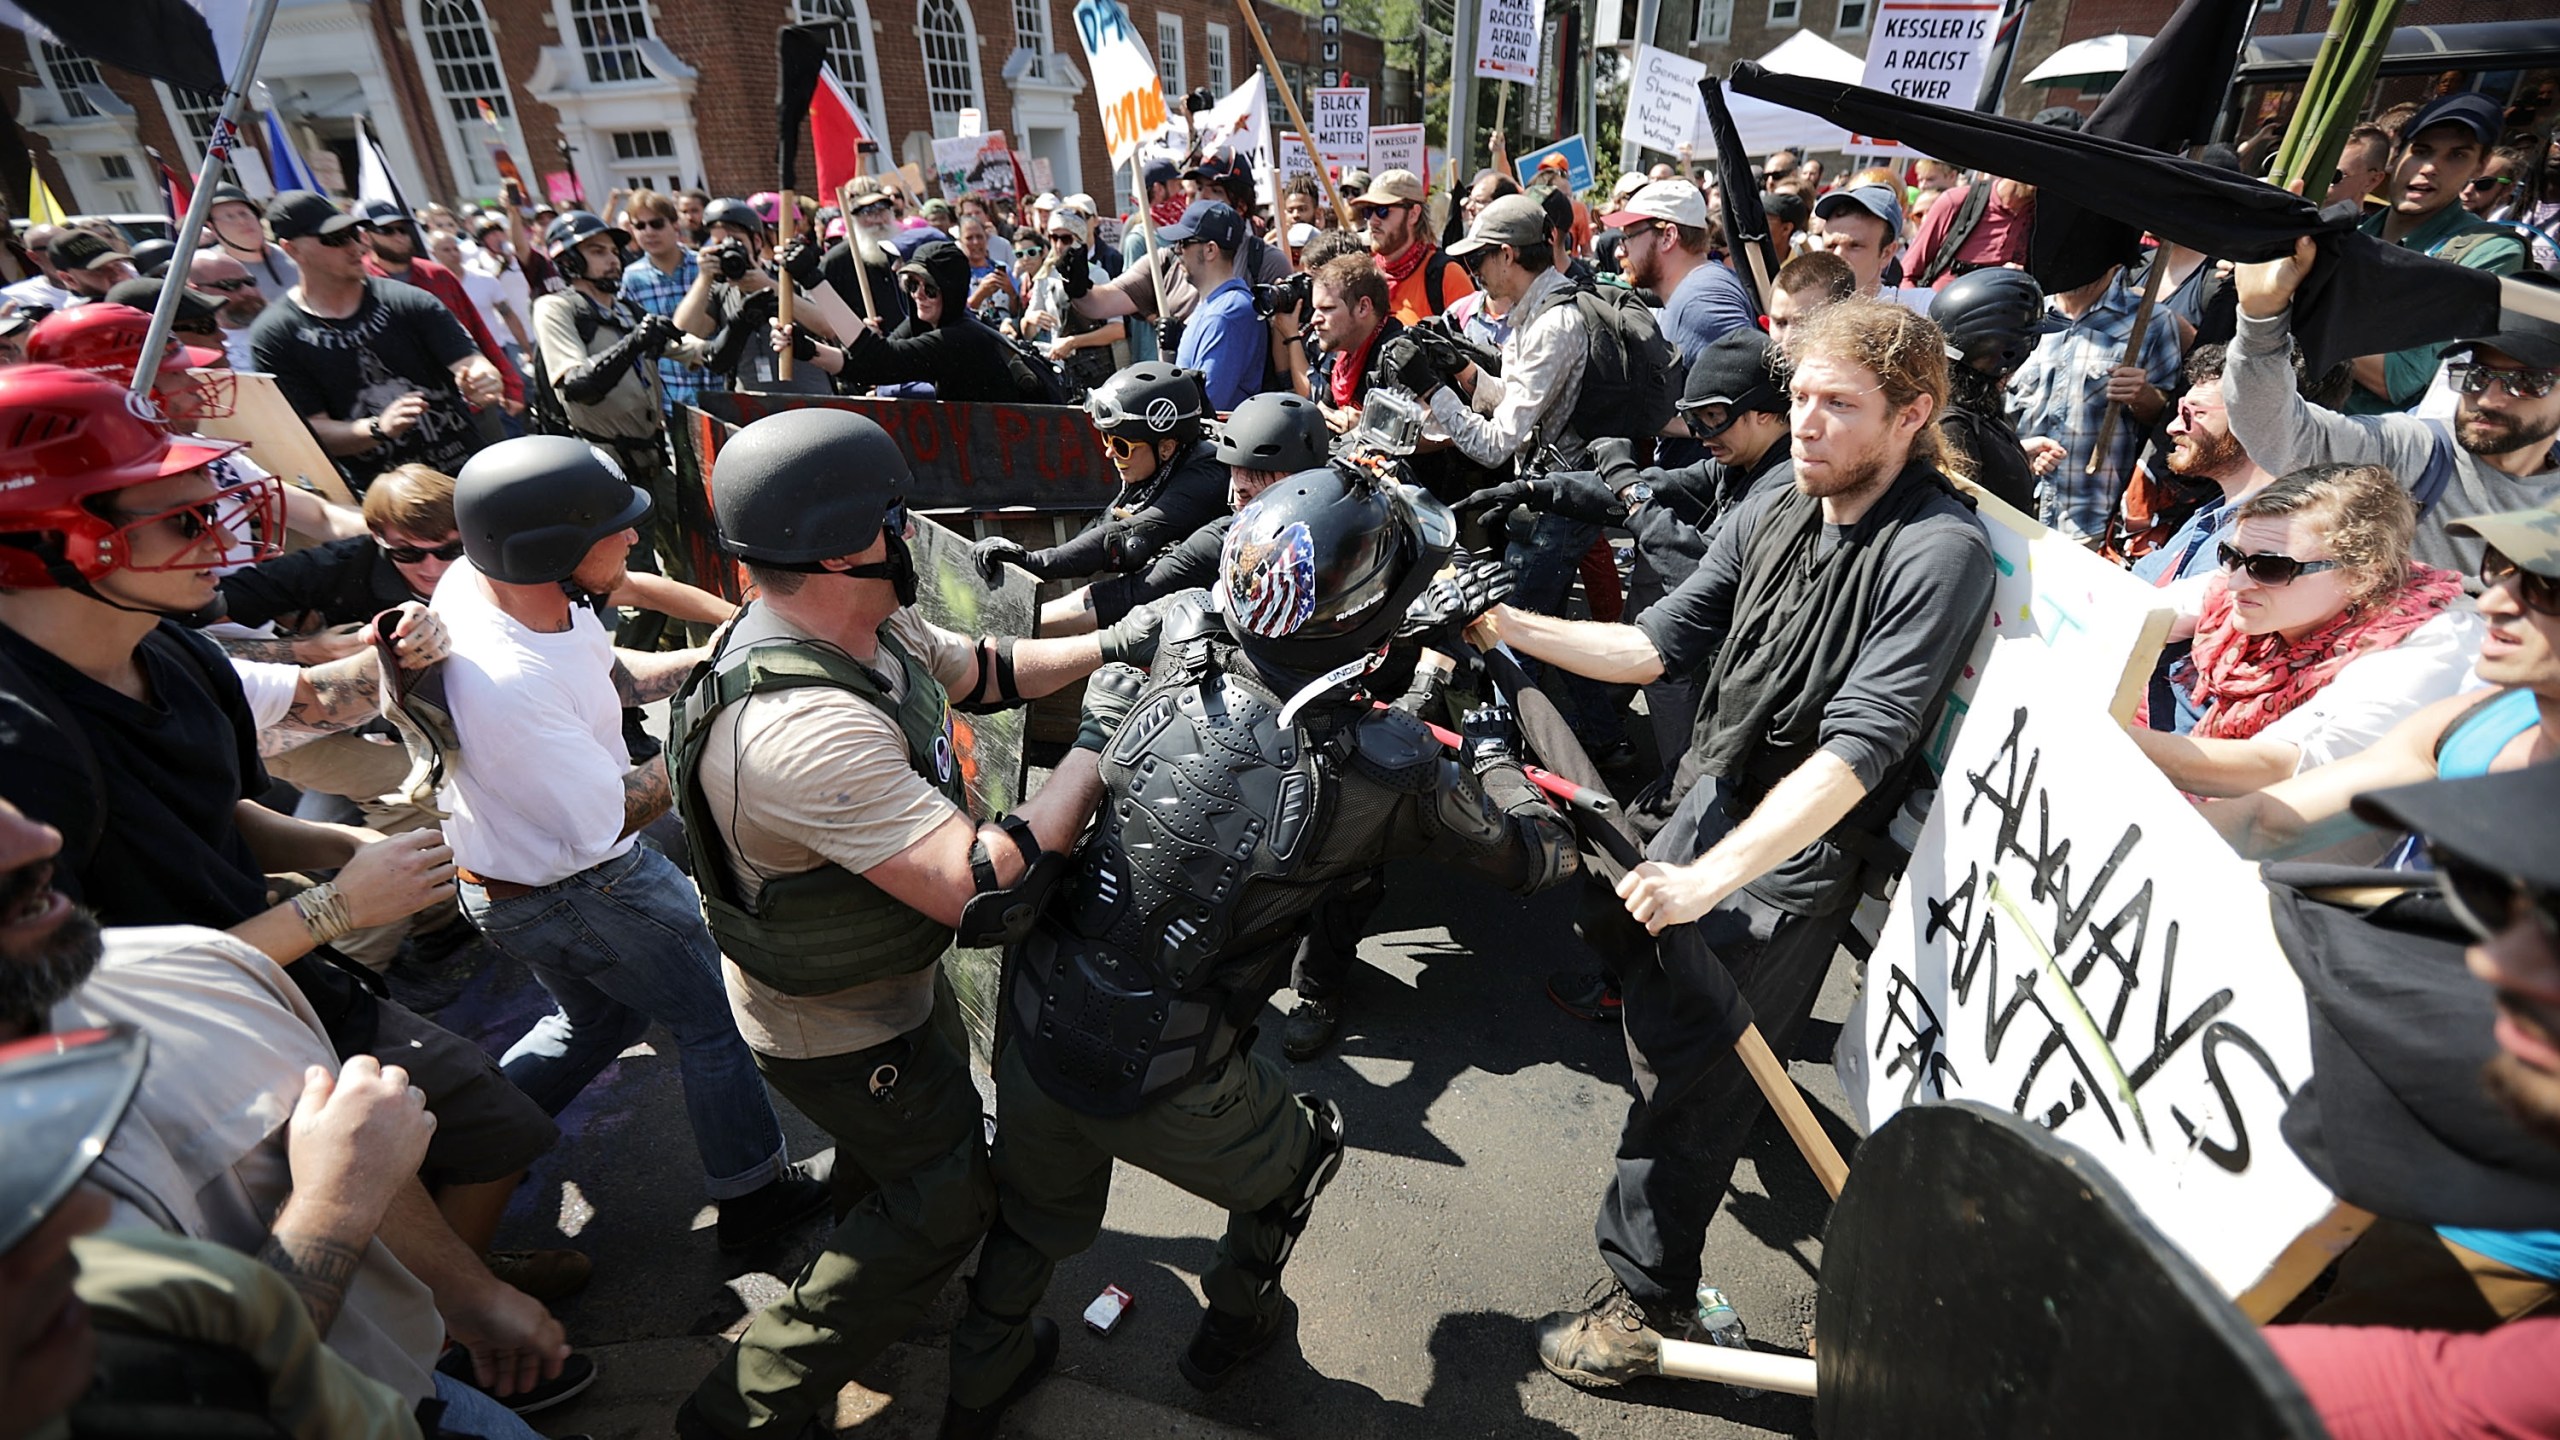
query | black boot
(1225,1342)
(970,1422)
(772,1211)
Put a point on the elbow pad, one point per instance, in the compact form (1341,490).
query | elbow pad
(1002,914)
(995,679)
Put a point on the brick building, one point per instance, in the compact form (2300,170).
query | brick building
(624,92)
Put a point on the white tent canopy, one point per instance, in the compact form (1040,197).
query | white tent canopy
(1765,127)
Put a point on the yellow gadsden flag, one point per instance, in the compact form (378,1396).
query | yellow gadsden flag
(42,208)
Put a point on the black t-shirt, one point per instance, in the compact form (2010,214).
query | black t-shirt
(347,581)
(400,340)
(154,783)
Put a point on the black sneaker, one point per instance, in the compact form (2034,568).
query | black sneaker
(970,1422)
(690,1425)
(1311,1028)
(1224,1343)
(576,1374)
(1590,994)
(763,1216)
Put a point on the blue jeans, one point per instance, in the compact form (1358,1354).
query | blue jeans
(618,945)
(474,1412)
(1545,566)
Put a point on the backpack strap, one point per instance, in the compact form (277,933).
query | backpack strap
(2437,477)
(1977,203)
(1433,270)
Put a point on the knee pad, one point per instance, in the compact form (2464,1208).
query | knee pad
(1297,1204)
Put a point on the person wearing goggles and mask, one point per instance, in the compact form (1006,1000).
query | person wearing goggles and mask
(1152,418)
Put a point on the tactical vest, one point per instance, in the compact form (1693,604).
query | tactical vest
(826,929)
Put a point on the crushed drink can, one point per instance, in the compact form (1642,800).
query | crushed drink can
(1107,1308)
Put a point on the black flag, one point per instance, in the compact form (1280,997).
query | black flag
(1746,221)
(164,39)
(2167,100)
(2363,298)
(803,52)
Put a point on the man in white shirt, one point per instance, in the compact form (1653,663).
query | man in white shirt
(547,808)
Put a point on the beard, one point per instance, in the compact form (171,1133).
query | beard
(1847,477)
(2482,433)
(2530,1097)
(871,246)
(32,982)
(2202,456)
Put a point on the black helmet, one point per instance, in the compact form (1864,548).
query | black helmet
(1993,318)
(728,211)
(802,486)
(530,509)
(1152,401)
(151,257)
(560,241)
(1275,431)
(228,193)
(1319,569)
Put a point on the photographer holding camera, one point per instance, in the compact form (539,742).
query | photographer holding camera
(733,301)
(1155,288)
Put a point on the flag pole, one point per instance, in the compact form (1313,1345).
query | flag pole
(782,297)
(1271,67)
(226,128)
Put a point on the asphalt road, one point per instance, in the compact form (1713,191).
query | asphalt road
(1481,1122)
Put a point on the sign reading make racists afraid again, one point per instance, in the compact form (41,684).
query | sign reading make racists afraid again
(1507,40)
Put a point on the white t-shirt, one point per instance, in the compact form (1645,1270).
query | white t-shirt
(485,293)
(269,686)
(2377,691)
(536,795)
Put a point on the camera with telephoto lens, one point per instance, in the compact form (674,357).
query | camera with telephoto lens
(1290,294)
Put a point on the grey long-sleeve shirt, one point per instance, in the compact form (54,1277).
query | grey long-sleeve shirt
(1529,403)
(2283,432)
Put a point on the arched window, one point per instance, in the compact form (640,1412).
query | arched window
(848,28)
(950,62)
(1031,32)
(71,72)
(463,65)
(609,34)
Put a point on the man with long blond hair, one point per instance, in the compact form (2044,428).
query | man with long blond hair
(1830,618)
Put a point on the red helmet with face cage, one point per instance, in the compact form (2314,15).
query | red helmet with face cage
(67,438)
(106,339)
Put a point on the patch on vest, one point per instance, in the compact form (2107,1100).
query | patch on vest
(1270,578)
(945,762)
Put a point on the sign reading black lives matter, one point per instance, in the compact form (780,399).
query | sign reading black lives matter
(1507,41)
(2072,942)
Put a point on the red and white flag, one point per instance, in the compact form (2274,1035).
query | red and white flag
(837,133)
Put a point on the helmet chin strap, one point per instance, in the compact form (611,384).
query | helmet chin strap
(1351,669)
(69,578)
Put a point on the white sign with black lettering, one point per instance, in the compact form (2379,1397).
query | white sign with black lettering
(1662,100)
(1507,40)
(1927,50)
(1398,147)
(1340,120)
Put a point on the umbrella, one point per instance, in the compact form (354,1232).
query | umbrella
(2085,64)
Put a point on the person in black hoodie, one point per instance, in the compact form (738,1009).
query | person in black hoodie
(939,343)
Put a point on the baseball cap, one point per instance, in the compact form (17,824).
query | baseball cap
(63,1093)
(2508,821)
(1511,220)
(383,215)
(1627,184)
(1875,200)
(2471,110)
(2528,338)
(1677,201)
(143,294)
(1556,162)
(300,214)
(1734,370)
(2531,538)
(1785,205)
(1162,172)
(81,250)
(1212,220)
(1393,187)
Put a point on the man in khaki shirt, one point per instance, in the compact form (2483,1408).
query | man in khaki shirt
(814,766)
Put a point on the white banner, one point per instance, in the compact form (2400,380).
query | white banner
(1124,77)
(1398,147)
(1339,120)
(1507,41)
(1663,109)
(1927,50)
(1240,124)
(1292,158)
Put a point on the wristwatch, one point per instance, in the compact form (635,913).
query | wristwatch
(1636,496)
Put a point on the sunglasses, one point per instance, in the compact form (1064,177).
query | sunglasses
(876,207)
(1062,239)
(2538,593)
(2472,378)
(651,224)
(2269,568)
(921,288)
(2488,182)
(338,239)
(239,524)
(448,552)
(2486,901)
(227,286)
(1121,447)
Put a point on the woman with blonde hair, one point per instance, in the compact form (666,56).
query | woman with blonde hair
(1085,350)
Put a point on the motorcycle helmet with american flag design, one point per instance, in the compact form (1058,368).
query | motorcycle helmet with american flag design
(1318,571)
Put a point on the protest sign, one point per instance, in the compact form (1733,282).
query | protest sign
(1507,41)
(979,163)
(1043,179)
(1240,124)
(1577,157)
(277,439)
(1292,160)
(1124,77)
(1662,100)
(1398,147)
(1928,50)
(2031,958)
(1340,123)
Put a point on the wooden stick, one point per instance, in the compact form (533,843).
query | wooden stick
(782,302)
(1751,1369)
(853,246)
(1271,67)
(1770,1074)
(2132,354)
(2303,1260)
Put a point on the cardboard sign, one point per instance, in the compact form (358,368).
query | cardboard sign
(1927,50)
(971,121)
(1124,76)
(1577,156)
(1043,179)
(1507,40)
(1339,119)
(978,164)
(1398,147)
(563,189)
(1662,100)
(1293,159)
(278,440)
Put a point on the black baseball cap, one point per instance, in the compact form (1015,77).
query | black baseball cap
(1162,172)
(2527,338)
(143,294)
(1734,370)
(383,215)
(82,250)
(2471,110)
(2509,822)
(300,214)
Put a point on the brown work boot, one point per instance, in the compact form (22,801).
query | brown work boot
(549,1276)
(1609,1341)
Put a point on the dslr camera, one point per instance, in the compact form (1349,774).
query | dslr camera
(1290,294)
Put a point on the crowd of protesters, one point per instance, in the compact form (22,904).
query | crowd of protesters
(308,794)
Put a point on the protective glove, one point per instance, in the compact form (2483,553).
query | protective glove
(1467,350)
(1077,270)
(1578,495)
(1404,361)
(1487,738)
(728,258)
(1614,458)
(803,348)
(655,333)
(1509,495)
(1455,597)
(992,554)
(799,260)
(1441,349)
(1110,694)
(1131,639)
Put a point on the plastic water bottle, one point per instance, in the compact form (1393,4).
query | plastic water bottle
(1722,1326)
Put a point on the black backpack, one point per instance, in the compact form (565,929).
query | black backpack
(1035,379)
(1631,375)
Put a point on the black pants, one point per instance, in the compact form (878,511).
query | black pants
(1695,1103)
(1331,944)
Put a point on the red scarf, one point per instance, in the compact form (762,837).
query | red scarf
(2248,682)
(1401,268)
(1165,212)
(1344,383)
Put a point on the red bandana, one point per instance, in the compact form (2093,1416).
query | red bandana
(1165,212)
(1400,268)
(1344,383)
(2248,682)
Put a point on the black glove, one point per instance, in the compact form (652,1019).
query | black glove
(992,554)
(1510,494)
(1110,693)
(1614,457)
(1487,739)
(1577,495)
(728,259)
(1077,270)
(655,333)
(1404,361)
(799,260)
(1131,639)
(803,348)
(1455,597)
(1440,350)
(1456,343)
(594,380)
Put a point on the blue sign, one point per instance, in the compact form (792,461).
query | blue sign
(1577,159)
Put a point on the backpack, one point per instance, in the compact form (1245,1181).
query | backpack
(1433,284)
(1035,379)
(1631,375)
(1968,218)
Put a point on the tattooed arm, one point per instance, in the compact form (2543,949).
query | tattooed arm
(353,1139)
(646,794)
(641,676)
(337,696)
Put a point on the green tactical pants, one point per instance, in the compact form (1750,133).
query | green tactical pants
(1236,1138)
(921,1153)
